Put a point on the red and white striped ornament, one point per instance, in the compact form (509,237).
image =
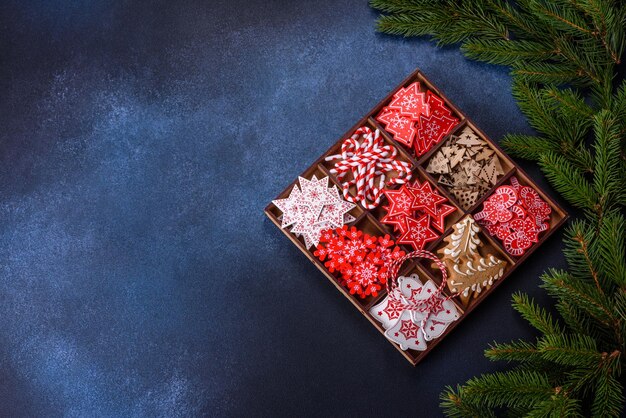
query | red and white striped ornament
(370,161)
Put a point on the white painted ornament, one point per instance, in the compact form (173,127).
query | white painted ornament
(407,327)
(312,208)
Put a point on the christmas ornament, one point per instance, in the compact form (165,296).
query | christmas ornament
(361,260)
(417,232)
(417,119)
(471,271)
(413,209)
(413,313)
(467,165)
(372,165)
(436,105)
(432,130)
(313,208)
(410,102)
(401,127)
(438,221)
(425,198)
(516,215)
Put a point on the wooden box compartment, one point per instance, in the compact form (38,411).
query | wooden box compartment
(487,243)
(369,220)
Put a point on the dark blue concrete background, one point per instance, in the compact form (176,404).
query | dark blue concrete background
(140,142)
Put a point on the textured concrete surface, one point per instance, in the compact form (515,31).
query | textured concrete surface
(139,144)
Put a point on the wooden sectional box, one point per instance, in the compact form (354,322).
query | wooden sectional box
(369,220)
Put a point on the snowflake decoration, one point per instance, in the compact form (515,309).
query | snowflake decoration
(409,329)
(361,260)
(431,130)
(393,309)
(313,208)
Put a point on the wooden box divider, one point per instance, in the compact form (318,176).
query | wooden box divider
(369,220)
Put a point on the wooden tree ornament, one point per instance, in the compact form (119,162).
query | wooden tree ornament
(470,271)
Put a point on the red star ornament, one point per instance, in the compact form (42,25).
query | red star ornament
(402,127)
(401,201)
(425,198)
(398,221)
(438,221)
(410,102)
(418,233)
(431,130)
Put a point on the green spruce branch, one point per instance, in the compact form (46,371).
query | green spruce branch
(564,57)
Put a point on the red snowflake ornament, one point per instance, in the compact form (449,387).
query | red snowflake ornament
(436,105)
(410,102)
(418,233)
(432,130)
(362,260)
(402,127)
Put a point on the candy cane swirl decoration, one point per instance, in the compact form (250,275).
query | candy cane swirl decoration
(366,156)
(427,306)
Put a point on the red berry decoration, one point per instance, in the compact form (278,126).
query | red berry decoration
(362,260)
(516,215)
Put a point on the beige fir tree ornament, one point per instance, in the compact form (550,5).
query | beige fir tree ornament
(470,271)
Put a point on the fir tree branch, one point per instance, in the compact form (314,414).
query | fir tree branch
(456,404)
(607,179)
(568,181)
(564,18)
(519,388)
(549,45)
(581,254)
(618,109)
(609,398)
(539,114)
(542,72)
(506,52)
(519,19)
(527,146)
(570,103)
(561,285)
(538,317)
(570,350)
(519,351)
(611,240)
(557,406)
(447,21)
(575,320)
